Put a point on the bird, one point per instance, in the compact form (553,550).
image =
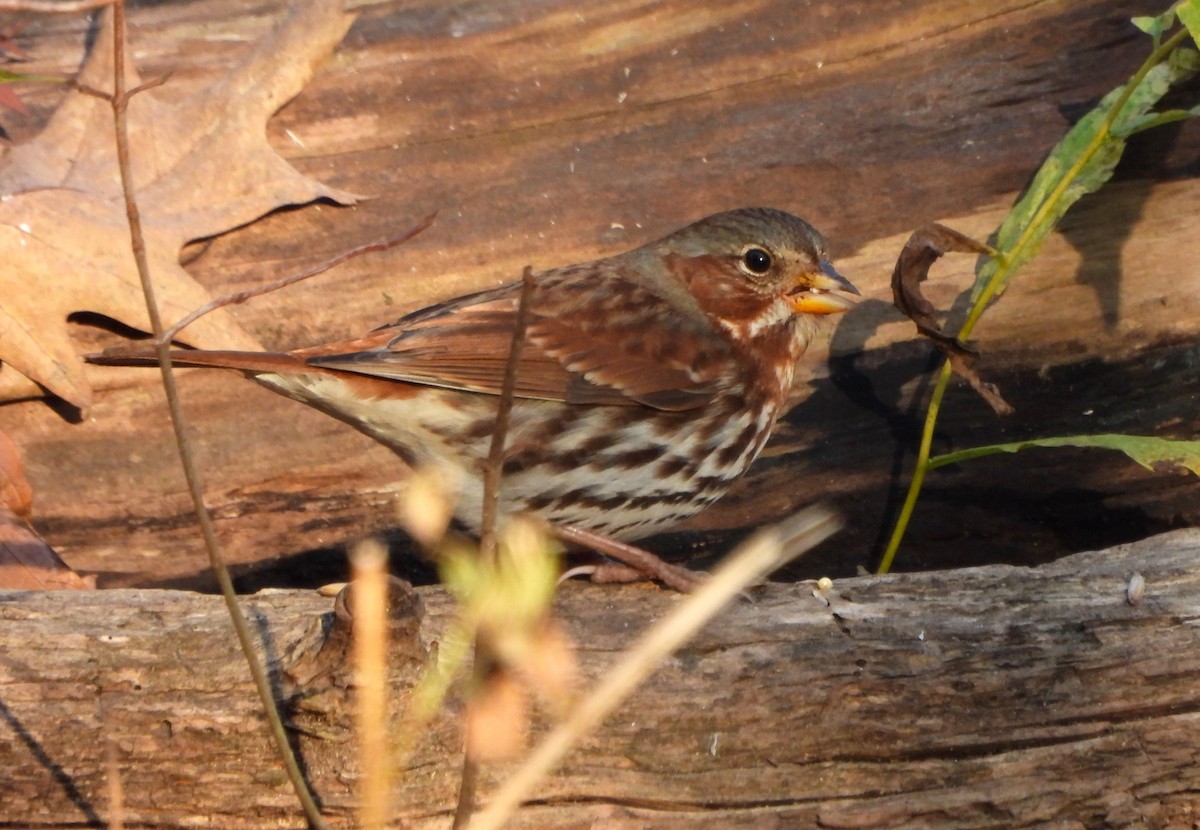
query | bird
(648,381)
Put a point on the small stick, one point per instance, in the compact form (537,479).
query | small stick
(484,657)
(74,84)
(370,648)
(495,460)
(242,296)
(120,104)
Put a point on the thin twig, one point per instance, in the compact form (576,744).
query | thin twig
(74,85)
(114,787)
(116,790)
(495,460)
(120,102)
(750,562)
(242,296)
(468,782)
(370,639)
(484,660)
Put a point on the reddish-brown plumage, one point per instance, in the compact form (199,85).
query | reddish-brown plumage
(649,381)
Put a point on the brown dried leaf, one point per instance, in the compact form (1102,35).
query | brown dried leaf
(28,564)
(497,718)
(964,366)
(925,247)
(202,166)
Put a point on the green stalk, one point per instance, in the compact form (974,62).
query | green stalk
(1000,279)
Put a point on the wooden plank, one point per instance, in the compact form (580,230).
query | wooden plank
(983,697)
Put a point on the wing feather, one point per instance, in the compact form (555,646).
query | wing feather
(593,338)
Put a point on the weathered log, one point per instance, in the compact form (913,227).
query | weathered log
(985,697)
(551,134)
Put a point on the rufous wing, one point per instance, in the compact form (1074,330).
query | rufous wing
(597,339)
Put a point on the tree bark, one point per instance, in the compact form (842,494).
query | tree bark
(550,134)
(986,697)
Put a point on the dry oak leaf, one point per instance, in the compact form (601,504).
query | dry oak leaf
(27,563)
(202,165)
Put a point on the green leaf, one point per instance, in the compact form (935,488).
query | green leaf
(1157,119)
(1189,16)
(1079,164)
(1155,454)
(7,77)
(1155,26)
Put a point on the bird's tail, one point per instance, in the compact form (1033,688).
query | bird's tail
(252,363)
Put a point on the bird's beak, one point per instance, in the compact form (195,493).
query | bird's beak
(812,292)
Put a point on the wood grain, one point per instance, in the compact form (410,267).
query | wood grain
(550,133)
(984,697)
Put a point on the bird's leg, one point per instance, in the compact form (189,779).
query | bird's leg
(636,563)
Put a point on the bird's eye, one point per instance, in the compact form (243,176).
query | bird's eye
(756,260)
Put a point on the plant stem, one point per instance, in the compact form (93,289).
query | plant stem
(120,103)
(1001,277)
(997,283)
(914,487)
(485,660)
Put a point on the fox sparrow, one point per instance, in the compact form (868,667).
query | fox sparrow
(649,381)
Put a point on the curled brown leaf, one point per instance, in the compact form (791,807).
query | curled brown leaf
(926,246)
